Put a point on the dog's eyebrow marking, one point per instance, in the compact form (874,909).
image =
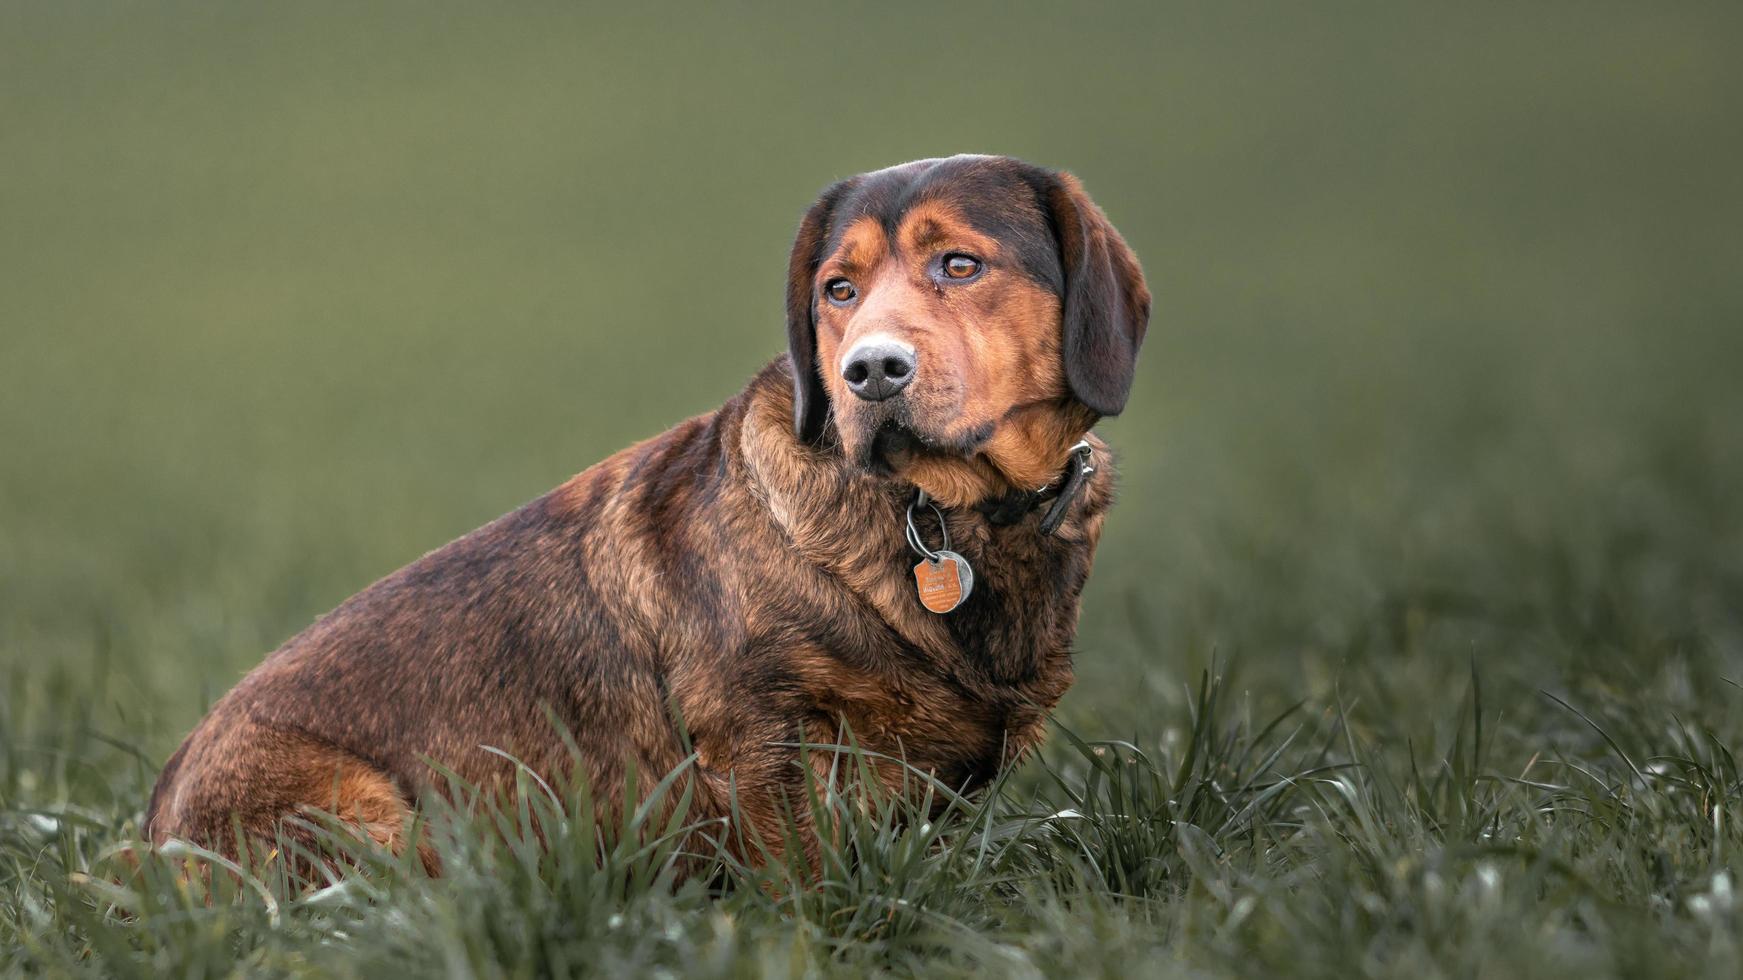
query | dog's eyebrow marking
(862,246)
(933,224)
(926,233)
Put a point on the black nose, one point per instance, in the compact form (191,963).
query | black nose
(877,371)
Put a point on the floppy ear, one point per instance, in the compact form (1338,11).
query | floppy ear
(810,400)
(1106,306)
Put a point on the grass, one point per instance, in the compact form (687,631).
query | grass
(1605,843)
(1414,645)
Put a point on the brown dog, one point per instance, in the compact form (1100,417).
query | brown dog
(955,326)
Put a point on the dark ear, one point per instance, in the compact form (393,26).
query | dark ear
(1106,306)
(810,400)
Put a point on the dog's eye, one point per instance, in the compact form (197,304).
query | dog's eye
(960,266)
(840,291)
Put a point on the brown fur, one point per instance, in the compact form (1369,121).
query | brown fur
(739,573)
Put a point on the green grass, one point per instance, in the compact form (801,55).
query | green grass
(1603,842)
(1414,645)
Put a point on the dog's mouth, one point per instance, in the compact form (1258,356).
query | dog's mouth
(891,447)
(895,443)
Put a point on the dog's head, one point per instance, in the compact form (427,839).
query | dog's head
(963,321)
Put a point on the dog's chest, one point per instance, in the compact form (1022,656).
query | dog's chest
(972,693)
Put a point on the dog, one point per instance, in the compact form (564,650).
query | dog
(883,537)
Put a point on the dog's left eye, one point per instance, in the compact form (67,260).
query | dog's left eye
(960,266)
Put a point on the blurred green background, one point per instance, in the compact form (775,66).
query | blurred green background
(1444,365)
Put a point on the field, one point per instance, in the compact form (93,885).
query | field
(1415,645)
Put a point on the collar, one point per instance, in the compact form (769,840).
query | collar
(1063,491)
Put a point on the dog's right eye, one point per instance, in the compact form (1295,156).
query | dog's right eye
(840,291)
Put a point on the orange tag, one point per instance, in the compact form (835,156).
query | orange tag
(945,583)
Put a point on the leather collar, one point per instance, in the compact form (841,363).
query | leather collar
(1018,504)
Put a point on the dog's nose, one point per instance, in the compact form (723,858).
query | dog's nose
(876,371)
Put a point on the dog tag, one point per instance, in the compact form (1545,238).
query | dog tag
(945,582)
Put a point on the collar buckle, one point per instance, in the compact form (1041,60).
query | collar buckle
(1078,468)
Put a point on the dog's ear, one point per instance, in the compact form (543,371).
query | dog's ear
(1106,306)
(810,400)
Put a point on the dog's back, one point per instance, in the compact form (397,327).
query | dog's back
(550,616)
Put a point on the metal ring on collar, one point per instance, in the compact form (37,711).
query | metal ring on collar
(913,532)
